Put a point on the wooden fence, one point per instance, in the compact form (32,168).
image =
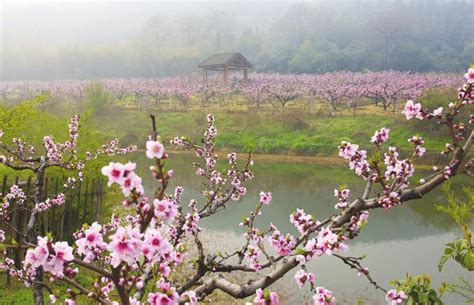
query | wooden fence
(83,205)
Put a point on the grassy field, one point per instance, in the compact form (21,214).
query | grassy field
(16,293)
(291,131)
(303,128)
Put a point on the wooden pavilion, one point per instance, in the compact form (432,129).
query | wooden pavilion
(225,62)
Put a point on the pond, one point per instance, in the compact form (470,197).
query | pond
(408,238)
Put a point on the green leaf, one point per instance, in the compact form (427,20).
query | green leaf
(49,235)
(465,244)
(300,251)
(461,244)
(449,249)
(443,287)
(422,298)
(468,261)
(434,297)
(443,261)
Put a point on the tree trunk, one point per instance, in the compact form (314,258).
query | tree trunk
(31,232)
(334,108)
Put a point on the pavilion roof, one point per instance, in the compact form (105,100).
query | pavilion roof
(232,60)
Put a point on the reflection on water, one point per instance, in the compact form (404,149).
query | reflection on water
(408,238)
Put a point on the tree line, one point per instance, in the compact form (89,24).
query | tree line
(417,36)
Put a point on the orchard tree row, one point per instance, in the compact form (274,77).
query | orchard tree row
(337,89)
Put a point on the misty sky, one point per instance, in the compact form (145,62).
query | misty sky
(83,40)
(63,22)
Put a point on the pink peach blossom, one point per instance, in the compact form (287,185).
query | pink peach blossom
(154,149)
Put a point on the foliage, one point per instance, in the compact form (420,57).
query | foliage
(18,118)
(97,96)
(463,288)
(460,250)
(462,212)
(32,119)
(419,291)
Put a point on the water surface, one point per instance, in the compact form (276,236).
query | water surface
(408,238)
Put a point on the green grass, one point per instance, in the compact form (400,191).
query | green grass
(14,293)
(301,128)
(290,131)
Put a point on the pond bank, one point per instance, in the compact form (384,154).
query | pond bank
(425,164)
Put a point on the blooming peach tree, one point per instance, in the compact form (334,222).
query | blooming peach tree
(139,257)
(21,156)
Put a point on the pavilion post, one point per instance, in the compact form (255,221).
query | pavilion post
(204,76)
(226,75)
(246,76)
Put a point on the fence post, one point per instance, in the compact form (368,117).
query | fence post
(20,225)
(95,195)
(100,199)
(4,192)
(79,189)
(86,196)
(14,215)
(13,223)
(53,210)
(45,213)
(61,227)
(4,185)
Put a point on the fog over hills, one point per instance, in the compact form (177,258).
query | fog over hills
(56,40)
